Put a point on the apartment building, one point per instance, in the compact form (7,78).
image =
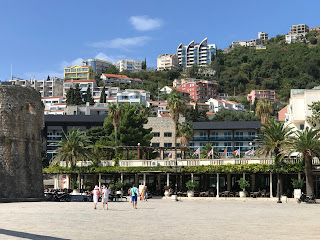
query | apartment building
(129,65)
(263,36)
(298,109)
(158,107)
(46,87)
(110,92)
(109,79)
(217,104)
(228,136)
(199,89)
(169,89)
(87,109)
(297,33)
(261,94)
(167,62)
(83,85)
(79,72)
(317,29)
(133,96)
(54,105)
(99,66)
(196,53)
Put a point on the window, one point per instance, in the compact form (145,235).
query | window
(228,135)
(227,144)
(252,134)
(168,134)
(155,144)
(191,144)
(169,145)
(203,134)
(156,134)
(239,144)
(301,126)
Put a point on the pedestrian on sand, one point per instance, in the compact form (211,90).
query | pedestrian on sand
(143,192)
(105,196)
(96,195)
(134,196)
(146,193)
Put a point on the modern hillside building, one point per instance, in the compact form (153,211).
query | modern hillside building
(79,72)
(297,33)
(99,66)
(199,54)
(167,62)
(109,79)
(129,65)
(217,104)
(263,36)
(83,85)
(200,89)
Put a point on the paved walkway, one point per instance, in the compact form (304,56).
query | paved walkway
(160,219)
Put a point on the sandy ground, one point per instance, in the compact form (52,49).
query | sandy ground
(160,219)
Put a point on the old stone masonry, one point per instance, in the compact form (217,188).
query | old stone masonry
(21,121)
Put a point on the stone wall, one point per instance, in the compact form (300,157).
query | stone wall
(21,121)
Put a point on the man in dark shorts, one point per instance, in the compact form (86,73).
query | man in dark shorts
(134,196)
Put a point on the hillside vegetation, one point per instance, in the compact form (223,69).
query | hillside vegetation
(280,67)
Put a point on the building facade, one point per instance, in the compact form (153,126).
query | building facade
(263,36)
(199,54)
(83,85)
(79,72)
(99,66)
(129,65)
(200,90)
(226,136)
(167,62)
(261,94)
(217,104)
(109,79)
(297,33)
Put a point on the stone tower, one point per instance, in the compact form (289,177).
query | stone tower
(21,122)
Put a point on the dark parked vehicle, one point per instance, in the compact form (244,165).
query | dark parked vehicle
(58,197)
(306,199)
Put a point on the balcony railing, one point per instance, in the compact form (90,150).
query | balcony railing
(188,162)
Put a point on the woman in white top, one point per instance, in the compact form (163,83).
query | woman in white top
(96,195)
(105,196)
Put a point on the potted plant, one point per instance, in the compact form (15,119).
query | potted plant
(166,191)
(119,185)
(191,185)
(243,185)
(112,187)
(297,185)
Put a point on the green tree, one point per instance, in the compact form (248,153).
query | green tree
(115,114)
(185,132)
(308,144)
(144,65)
(314,119)
(225,115)
(103,96)
(176,107)
(88,97)
(112,70)
(264,110)
(70,96)
(77,96)
(73,148)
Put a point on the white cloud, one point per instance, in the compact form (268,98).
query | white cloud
(122,43)
(144,23)
(77,61)
(111,59)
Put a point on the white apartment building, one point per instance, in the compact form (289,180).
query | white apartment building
(133,96)
(47,88)
(129,65)
(111,92)
(263,36)
(54,105)
(87,109)
(216,104)
(158,107)
(297,33)
(298,108)
(167,62)
(196,53)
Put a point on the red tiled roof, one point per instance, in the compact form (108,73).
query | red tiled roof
(210,113)
(114,75)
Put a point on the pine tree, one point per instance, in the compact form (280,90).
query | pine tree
(144,64)
(77,96)
(70,96)
(88,97)
(103,95)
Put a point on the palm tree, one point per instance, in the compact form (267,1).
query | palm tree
(185,132)
(263,110)
(115,114)
(176,107)
(308,144)
(73,148)
(275,136)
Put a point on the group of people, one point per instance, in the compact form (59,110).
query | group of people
(133,192)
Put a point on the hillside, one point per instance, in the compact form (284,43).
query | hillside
(280,67)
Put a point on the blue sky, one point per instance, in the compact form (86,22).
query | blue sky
(42,37)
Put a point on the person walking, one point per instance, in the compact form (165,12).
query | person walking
(105,196)
(134,196)
(96,195)
(146,193)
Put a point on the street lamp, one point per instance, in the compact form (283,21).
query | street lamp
(278,167)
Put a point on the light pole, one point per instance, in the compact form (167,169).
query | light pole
(278,168)
(138,151)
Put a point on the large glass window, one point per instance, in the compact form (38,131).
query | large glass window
(155,144)
(168,134)
(167,144)
(156,134)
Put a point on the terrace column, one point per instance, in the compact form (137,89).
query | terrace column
(168,179)
(271,195)
(244,176)
(299,175)
(99,180)
(228,181)
(56,181)
(159,181)
(136,179)
(217,185)
(67,181)
(144,178)
(253,182)
(121,177)
(192,177)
